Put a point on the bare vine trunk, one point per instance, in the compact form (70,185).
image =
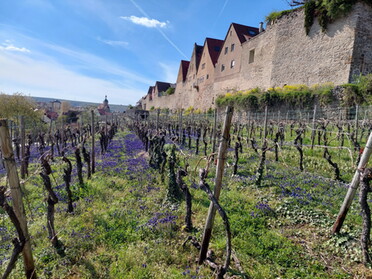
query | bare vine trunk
(19,242)
(366,177)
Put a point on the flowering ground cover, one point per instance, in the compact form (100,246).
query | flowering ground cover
(124,227)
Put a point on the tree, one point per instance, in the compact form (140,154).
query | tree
(13,106)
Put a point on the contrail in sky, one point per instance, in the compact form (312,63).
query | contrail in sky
(220,13)
(223,8)
(160,31)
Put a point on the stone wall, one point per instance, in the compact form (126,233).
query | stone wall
(284,54)
(314,58)
(362,55)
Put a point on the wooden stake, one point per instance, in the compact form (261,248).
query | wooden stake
(265,124)
(106,131)
(23,148)
(180,128)
(93,155)
(353,187)
(313,130)
(157,118)
(356,122)
(218,184)
(16,194)
(214,131)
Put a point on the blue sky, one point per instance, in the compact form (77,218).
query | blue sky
(86,49)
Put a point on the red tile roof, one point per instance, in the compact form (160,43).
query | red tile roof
(214,48)
(184,68)
(244,32)
(162,86)
(150,89)
(198,53)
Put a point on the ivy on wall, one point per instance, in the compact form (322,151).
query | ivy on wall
(302,96)
(327,11)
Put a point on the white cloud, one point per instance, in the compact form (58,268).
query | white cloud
(142,11)
(8,46)
(145,21)
(88,61)
(47,78)
(114,43)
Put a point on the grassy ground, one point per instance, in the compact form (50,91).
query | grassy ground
(123,227)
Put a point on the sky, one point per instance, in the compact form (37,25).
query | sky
(83,50)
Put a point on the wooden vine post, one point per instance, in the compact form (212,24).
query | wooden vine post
(353,187)
(23,147)
(157,118)
(265,124)
(214,130)
(16,194)
(180,128)
(313,129)
(218,183)
(93,155)
(356,122)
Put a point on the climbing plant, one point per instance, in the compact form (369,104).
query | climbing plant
(327,11)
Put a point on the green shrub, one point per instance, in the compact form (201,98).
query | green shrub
(364,84)
(325,95)
(170,91)
(310,7)
(210,111)
(270,18)
(351,95)
(247,100)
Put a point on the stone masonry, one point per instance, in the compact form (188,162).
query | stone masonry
(284,55)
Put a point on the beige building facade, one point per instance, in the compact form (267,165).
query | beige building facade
(281,55)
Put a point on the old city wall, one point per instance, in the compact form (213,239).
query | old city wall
(362,55)
(284,54)
(318,57)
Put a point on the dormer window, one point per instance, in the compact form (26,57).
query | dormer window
(252,33)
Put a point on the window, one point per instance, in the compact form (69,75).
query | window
(226,50)
(222,67)
(232,64)
(232,47)
(230,32)
(207,76)
(251,56)
(252,33)
(203,66)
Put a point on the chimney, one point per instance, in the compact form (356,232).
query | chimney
(260,28)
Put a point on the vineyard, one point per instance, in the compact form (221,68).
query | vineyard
(227,194)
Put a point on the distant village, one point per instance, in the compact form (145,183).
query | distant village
(54,109)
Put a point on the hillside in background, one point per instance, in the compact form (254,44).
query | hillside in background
(114,108)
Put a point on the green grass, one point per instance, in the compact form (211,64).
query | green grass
(122,226)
